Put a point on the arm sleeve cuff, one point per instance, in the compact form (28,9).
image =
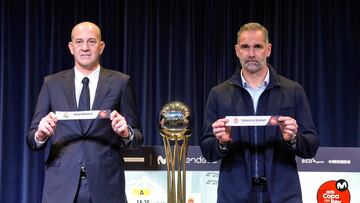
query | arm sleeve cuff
(131,136)
(39,143)
(224,147)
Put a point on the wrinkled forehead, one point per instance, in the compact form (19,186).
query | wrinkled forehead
(252,36)
(86,30)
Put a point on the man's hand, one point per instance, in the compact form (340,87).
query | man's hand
(288,127)
(119,125)
(46,127)
(221,131)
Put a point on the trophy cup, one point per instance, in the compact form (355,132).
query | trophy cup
(174,126)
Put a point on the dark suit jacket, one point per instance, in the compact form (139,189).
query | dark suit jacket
(286,98)
(98,147)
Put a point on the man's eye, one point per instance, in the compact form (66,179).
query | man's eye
(78,42)
(244,46)
(92,42)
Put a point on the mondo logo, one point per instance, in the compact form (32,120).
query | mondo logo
(334,192)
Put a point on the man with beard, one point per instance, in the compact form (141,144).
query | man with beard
(258,162)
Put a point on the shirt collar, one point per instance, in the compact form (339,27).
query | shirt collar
(264,83)
(92,76)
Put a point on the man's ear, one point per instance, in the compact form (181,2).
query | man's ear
(237,50)
(71,47)
(268,50)
(102,46)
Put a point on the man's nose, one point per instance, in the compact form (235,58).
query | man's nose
(251,52)
(85,46)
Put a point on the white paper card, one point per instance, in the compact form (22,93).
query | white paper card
(252,120)
(81,115)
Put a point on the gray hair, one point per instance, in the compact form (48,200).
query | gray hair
(253,27)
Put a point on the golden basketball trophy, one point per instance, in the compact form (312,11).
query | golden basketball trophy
(175,129)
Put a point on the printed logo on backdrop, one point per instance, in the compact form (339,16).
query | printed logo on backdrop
(312,161)
(343,162)
(334,192)
(189,160)
(161,160)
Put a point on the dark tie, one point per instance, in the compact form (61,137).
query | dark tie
(84,100)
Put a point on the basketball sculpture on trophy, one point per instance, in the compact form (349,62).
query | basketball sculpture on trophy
(174,126)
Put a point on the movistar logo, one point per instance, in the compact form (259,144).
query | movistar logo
(161,160)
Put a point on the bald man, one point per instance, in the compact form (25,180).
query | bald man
(85,163)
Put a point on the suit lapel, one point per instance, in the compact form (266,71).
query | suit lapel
(69,89)
(101,91)
(68,84)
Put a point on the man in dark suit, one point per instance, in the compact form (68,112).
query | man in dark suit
(258,162)
(85,163)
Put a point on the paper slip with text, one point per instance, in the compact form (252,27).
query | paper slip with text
(81,115)
(252,120)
